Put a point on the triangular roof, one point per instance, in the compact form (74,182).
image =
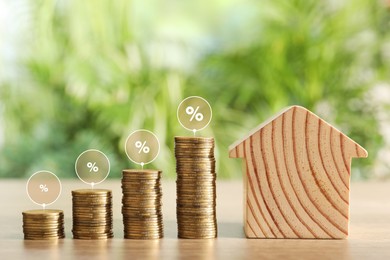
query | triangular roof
(362,151)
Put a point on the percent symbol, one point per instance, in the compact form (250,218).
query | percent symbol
(43,188)
(142,147)
(194,113)
(92,167)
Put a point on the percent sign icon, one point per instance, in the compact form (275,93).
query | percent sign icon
(43,188)
(194,113)
(92,167)
(142,147)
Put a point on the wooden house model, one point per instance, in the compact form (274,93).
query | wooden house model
(297,171)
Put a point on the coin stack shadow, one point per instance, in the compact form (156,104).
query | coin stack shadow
(43,224)
(195,187)
(92,214)
(141,204)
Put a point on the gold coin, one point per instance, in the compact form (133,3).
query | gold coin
(141,172)
(94,209)
(93,237)
(143,237)
(43,213)
(193,139)
(145,228)
(42,222)
(43,228)
(193,160)
(138,233)
(92,192)
(27,237)
(141,232)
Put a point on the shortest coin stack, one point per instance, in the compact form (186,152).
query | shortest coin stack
(43,224)
(92,214)
(142,217)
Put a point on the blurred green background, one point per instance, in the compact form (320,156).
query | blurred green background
(76,75)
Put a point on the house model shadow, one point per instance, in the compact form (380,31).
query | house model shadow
(297,171)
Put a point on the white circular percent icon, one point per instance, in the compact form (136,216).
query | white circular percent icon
(194,113)
(43,188)
(92,167)
(142,147)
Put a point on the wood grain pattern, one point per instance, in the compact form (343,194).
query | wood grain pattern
(297,173)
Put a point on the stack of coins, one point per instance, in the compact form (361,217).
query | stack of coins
(142,216)
(92,214)
(195,187)
(43,224)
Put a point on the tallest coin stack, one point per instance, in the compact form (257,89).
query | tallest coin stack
(196,194)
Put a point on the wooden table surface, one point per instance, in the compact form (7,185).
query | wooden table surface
(369,229)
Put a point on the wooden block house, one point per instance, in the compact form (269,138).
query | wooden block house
(297,171)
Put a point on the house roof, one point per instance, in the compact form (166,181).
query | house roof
(298,109)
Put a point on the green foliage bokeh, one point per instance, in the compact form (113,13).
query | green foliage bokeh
(94,76)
